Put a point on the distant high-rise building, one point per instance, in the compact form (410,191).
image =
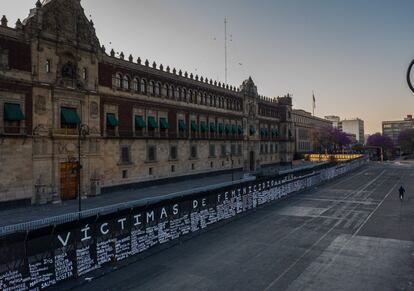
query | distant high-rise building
(392,129)
(334,119)
(354,126)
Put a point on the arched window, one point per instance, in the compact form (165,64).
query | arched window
(126,83)
(176,93)
(118,80)
(157,89)
(151,88)
(172,92)
(143,86)
(180,93)
(135,84)
(190,96)
(164,90)
(168,91)
(184,95)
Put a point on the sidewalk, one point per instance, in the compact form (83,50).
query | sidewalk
(35,212)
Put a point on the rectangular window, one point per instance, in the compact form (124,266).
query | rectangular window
(69,117)
(125,154)
(173,153)
(181,125)
(164,123)
(152,153)
(152,122)
(12,117)
(223,150)
(139,122)
(239,150)
(111,121)
(212,150)
(193,152)
(233,149)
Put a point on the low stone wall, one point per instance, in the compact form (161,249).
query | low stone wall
(45,257)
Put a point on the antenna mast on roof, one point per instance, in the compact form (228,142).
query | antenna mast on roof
(225,50)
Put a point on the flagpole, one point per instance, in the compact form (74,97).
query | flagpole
(313,103)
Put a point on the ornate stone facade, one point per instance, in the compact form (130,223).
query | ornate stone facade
(143,121)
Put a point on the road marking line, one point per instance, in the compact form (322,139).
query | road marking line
(361,225)
(322,237)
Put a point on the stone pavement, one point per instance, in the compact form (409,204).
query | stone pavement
(350,234)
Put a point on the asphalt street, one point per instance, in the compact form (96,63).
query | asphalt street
(350,234)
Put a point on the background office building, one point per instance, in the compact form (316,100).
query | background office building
(392,129)
(305,124)
(334,119)
(354,126)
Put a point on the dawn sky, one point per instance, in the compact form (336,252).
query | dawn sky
(352,53)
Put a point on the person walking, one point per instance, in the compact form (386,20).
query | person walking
(401,191)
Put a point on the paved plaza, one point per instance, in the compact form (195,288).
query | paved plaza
(350,234)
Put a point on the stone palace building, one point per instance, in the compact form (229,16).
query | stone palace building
(139,121)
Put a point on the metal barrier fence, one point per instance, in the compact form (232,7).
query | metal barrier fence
(72,216)
(45,253)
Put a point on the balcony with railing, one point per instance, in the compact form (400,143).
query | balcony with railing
(66,131)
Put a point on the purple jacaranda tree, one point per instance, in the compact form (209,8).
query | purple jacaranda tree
(340,138)
(330,139)
(379,140)
(406,141)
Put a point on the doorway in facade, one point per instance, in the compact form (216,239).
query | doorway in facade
(68,181)
(252,163)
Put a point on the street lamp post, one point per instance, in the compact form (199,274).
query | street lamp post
(230,155)
(82,133)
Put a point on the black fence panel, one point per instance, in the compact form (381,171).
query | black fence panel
(46,256)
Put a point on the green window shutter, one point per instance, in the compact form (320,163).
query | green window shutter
(263,132)
(111,120)
(181,125)
(12,112)
(164,123)
(139,122)
(252,130)
(152,123)
(274,132)
(194,126)
(234,129)
(228,128)
(203,126)
(212,127)
(240,129)
(69,116)
(221,128)
(266,132)
(290,133)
